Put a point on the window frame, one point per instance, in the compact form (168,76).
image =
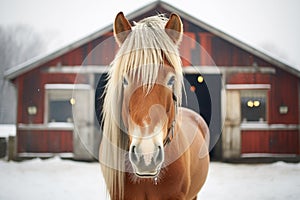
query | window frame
(265,95)
(253,87)
(57,92)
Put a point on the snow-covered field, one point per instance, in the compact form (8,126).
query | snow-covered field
(64,179)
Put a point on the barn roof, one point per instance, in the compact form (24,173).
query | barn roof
(14,72)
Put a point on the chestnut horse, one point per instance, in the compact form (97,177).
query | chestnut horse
(151,147)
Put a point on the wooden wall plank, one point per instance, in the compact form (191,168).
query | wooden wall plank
(45,141)
(270,141)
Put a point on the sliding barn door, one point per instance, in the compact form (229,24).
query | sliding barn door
(231,136)
(83,113)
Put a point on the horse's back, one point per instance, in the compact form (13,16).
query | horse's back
(193,125)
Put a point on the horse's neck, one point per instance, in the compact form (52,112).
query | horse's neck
(180,142)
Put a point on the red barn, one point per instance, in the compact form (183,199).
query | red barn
(251,97)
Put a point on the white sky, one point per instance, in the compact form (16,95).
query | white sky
(266,24)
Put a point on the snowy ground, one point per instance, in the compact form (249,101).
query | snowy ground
(63,179)
(7,130)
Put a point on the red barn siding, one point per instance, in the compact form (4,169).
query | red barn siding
(99,51)
(188,43)
(270,141)
(226,54)
(284,91)
(56,78)
(32,94)
(45,141)
(249,78)
(74,57)
(20,85)
(108,49)
(205,55)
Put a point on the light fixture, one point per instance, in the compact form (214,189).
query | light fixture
(250,103)
(200,79)
(31,110)
(256,103)
(192,88)
(283,109)
(72,101)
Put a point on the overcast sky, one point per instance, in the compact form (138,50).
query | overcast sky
(272,25)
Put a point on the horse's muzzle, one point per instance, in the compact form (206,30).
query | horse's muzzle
(146,165)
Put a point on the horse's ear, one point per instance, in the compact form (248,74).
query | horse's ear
(122,28)
(174,28)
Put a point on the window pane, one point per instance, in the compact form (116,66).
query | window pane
(60,111)
(253,105)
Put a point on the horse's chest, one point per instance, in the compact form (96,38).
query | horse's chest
(168,187)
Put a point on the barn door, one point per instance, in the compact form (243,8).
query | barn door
(83,138)
(231,136)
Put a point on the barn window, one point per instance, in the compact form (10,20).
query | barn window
(253,105)
(59,103)
(60,111)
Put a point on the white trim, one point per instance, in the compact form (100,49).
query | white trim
(67,87)
(100,69)
(201,70)
(49,126)
(45,155)
(80,69)
(263,126)
(249,69)
(248,86)
(267,155)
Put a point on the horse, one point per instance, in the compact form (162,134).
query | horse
(151,147)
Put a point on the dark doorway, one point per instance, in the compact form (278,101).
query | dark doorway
(204,96)
(197,95)
(99,98)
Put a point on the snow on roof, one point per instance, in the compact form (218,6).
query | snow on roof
(39,60)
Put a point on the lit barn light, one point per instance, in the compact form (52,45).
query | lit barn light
(72,101)
(192,88)
(256,103)
(200,79)
(32,110)
(250,103)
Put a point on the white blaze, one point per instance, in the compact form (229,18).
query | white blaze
(147,144)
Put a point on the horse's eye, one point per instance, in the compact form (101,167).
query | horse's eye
(125,82)
(171,81)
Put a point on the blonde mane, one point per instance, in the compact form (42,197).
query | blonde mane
(146,49)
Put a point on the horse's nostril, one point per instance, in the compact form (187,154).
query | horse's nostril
(160,155)
(133,149)
(133,155)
